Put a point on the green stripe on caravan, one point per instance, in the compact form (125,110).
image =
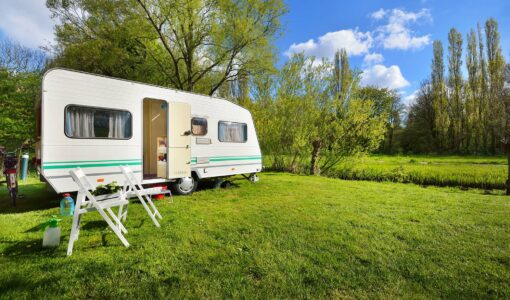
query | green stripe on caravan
(129,162)
(92,161)
(94,165)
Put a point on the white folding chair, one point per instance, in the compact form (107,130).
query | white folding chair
(86,202)
(133,187)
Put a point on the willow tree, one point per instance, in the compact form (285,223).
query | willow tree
(312,125)
(192,45)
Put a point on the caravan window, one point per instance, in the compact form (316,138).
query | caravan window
(232,132)
(199,126)
(84,122)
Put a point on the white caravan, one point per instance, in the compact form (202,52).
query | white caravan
(99,123)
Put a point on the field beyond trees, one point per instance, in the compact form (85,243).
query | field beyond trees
(287,236)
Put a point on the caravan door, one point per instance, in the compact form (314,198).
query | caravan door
(179,140)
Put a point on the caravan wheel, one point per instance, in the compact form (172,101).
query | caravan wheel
(185,186)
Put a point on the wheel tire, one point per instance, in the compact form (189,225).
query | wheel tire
(14,194)
(226,184)
(185,186)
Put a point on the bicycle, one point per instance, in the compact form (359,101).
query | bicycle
(10,170)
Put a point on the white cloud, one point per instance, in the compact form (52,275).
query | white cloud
(409,99)
(397,34)
(353,41)
(379,14)
(373,58)
(27,22)
(384,77)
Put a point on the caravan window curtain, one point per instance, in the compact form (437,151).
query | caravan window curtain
(199,126)
(232,132)
(84,122)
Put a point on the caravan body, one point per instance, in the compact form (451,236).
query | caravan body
(99,123)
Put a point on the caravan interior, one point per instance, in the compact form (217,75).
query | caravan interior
(154,138)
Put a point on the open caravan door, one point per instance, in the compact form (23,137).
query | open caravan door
(179,140)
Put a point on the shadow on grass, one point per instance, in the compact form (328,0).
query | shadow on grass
(30,247)
(32,197)
(94,225)
(36,196)
(46,275)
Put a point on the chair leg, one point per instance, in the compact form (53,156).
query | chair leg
(75,231)
(112,226)
(125,213)
(119,214)
(75,227)
(151,214)
(156,211)
(114,217)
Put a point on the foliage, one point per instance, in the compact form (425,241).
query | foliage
(193,45)
(419,134)
(455,86)
(287,236)
(307,120)
(18,93)
(20,87)
(464,116)
(386,102)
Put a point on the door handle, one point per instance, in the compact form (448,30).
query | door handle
(187,132)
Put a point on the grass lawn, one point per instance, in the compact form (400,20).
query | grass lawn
(287,236)
(464,171)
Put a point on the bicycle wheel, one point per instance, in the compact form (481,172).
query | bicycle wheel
(13,193)
(12,186)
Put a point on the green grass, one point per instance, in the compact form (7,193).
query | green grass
(287,236)
(463,171)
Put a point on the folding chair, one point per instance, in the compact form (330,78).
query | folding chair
(86,202)
(135,188)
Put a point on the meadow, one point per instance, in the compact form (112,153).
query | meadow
(287,236)
(481,172)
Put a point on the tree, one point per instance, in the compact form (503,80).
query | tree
(455,84)
(303,123)
(345,75)
(20,82)
(18,92)
(496,66)
(506,128)
(17,58)
(418,137)
(385,101)
(195,45)
(499,100)
(440,118)
(482,102)
(473,128)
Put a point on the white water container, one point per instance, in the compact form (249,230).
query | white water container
(52,234)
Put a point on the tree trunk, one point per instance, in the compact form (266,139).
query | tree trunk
(508,179)
(390,141)
(314,167)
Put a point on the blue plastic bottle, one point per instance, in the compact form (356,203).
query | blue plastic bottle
(67,205)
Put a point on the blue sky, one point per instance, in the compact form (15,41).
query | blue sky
(390,41)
